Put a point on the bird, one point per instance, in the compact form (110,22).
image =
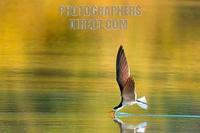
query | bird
(126,84)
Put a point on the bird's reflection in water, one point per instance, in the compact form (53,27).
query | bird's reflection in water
(130,128)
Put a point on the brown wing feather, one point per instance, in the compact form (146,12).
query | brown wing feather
(122,69)
(129,93)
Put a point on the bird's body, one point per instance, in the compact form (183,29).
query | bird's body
(126,83)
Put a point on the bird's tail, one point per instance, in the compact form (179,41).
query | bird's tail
(142,102)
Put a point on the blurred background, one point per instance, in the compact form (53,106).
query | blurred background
(54,79)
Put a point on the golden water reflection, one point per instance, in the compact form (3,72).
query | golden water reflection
(53,79)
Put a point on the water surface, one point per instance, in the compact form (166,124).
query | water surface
(56,80)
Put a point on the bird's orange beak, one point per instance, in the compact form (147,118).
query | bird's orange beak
(112,113)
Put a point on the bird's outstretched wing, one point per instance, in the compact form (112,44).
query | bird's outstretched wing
(122,69)
(129,93)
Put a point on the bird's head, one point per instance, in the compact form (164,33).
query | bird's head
(115,109)
(118,107)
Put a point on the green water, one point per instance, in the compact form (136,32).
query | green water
(59,80)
